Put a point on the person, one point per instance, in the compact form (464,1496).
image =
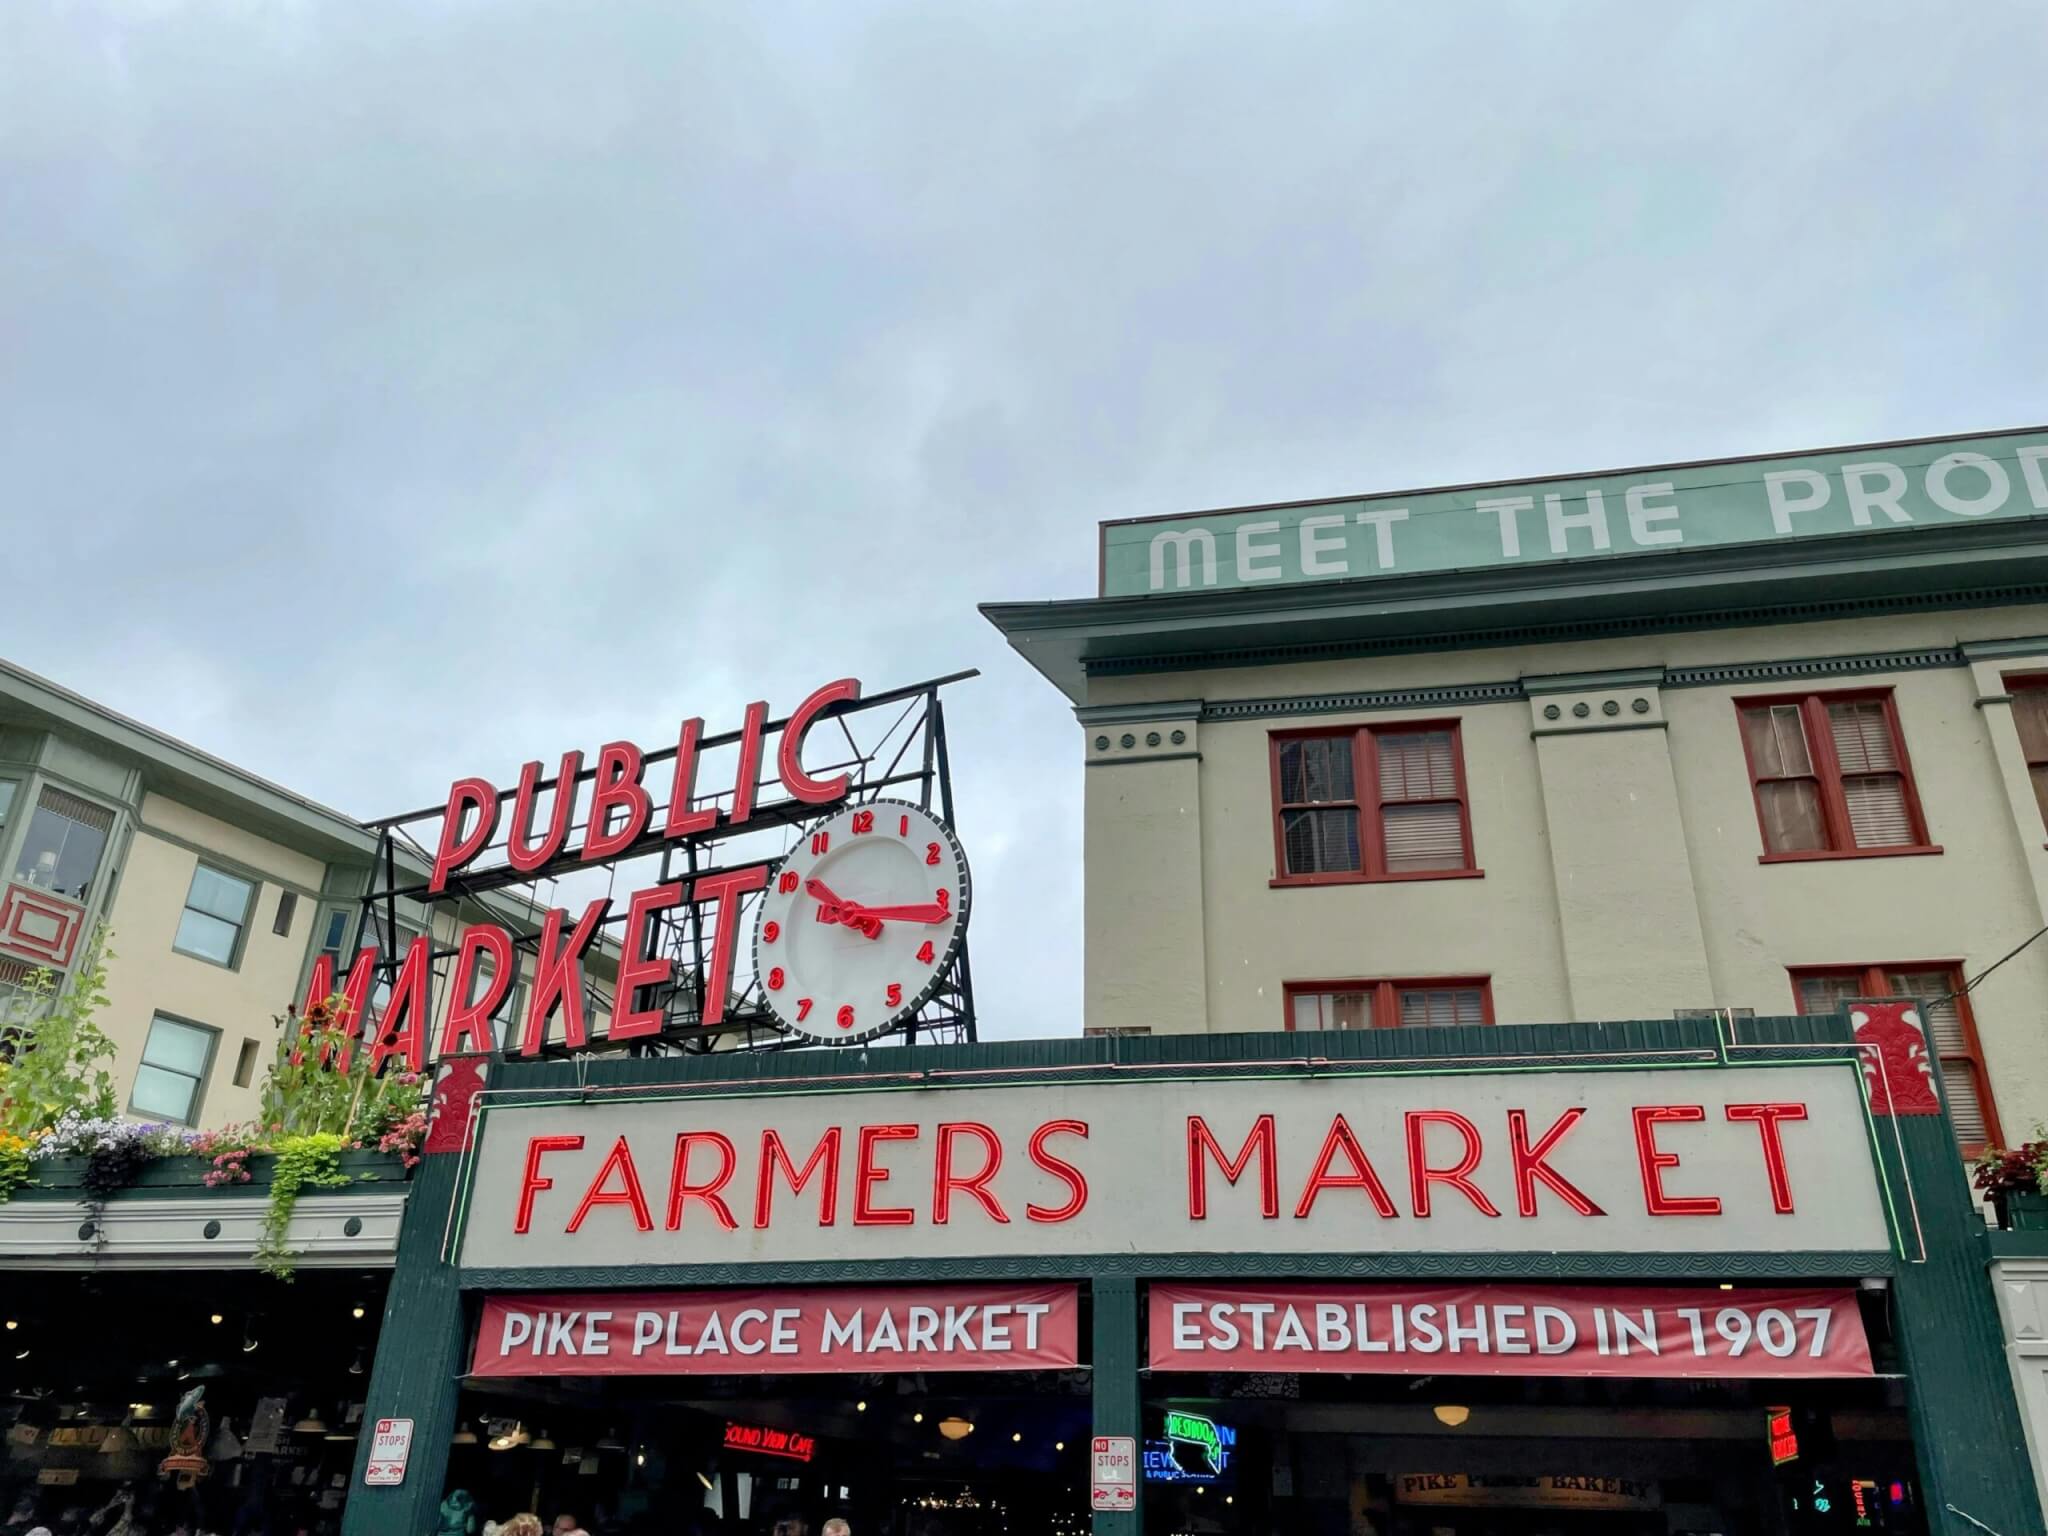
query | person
(566,1525)
(521,1525)
(836,1527)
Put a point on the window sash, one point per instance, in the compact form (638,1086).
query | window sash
(1830,774)
(1453,1001)
(64,845)
(1950,1031)
(176,1059)
(1419,821)
(8,787)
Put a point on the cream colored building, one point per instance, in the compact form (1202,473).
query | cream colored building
(1471,774)
(216,890)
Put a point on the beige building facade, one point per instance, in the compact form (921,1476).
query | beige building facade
(215,891)
(1760,776)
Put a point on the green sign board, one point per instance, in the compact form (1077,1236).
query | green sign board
(1873,490)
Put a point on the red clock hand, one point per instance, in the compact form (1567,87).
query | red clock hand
(832,908)
(823,892)
(924,914)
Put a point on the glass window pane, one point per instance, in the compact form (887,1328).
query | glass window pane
(1965,1108)
(1777,740)
(1863,737)
(1932,989)
(1291,772)
(6,799)
(61,850)
(1877,811)
(1424,836)
(167,1095)
(1320,842)
(1792,817)
(207,937)
(2029,713)
(1826,994)
(1441,1007)
(180,1047)
(1417,765)
(1308,1011)
(219,895)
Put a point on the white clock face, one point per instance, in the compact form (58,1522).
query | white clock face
(861,920)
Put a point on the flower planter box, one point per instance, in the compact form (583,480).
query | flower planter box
(2024,1213)
(66,1175)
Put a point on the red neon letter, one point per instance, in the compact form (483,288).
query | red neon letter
(1362,1176)
(472,1021)
(682,821)
(637,968)
(1059,1168)
(774,1154)
(530,1182)
(946,1182)
(616,787)
(408,1002)
(558,976)
(355,999)
(1421,1175)
(1530,1167)
(866,1176)
(456,850)
(619,1160)
(1767,1117)
(789,755)
(746,775)
(725,890)
(1201,1144)
(1647,1117)
(527,859)
(681,1189)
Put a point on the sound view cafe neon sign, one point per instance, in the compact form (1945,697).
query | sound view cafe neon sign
(620,814)
(764,1440)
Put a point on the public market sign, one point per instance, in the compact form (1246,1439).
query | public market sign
(1510,1490)
(1622,512)
(1707,1160)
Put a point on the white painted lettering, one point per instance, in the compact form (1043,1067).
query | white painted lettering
(2034,466)
(1366,1341)
(1473,1332)
(1556,1333)
(1505,508)
(782,1330)
(673,1344)
(1331,1333)
(995,1328)
(1781,487)
(561,1337)
(597,1339)
(646,1329)
(1032,1312)
(1424,1337)
(885,1335)
(957,1319)
(1315,544)
(1258,1312)
(518,1330)
(838,1333)
(1593,520)
(1253,558)
(1186,1333)
(1510,1337)
(1996,484)
(740,1341)
(1641,514)
(1185,544)
(923,1332)
(1291,1334)
(1382,520)
(712,1340)
(1866,498)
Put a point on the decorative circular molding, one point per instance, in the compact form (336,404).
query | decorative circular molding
(210,1231)
(1128,740)
(353,1227)
(1151,738)
(1179,737)
(1102,743)
(1581,709)
(1551,711)
(1641,706)
(87,1230)
(1611,707)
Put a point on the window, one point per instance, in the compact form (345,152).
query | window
(245,1063)
(1946,1009)
(1317,1005)
(60,852)
(1382,803)
(2030,714)
(1831,776)
(216,908)
(7,788)
(334,942)
(390,957)
(175,1060)
(287,909)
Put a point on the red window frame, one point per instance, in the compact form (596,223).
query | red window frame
(1365,778)
(2033,684)
(1827,774)
(1875,982)
(1386,995)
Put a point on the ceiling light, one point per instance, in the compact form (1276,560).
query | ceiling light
(515,1435)
(1017,1439)
(1200,1489)
(22,1356)
(356,1312)
(216,1319)
(917,1418)
(463,1436)
(610,1441)
(12,1325)
(954,1428)
(705,1481)
(1451,1414)
(1230,1498)
(541,1443)
(355,1366)
(639,1458)
(311,1424)
(1059,1445)
(861,1406)
(343,1433)
(1726,1286)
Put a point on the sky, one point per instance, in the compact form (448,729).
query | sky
(396,391)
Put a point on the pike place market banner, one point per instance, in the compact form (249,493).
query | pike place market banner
(1710,1160)
(1506,1330)
(779,1332)
(1872,490)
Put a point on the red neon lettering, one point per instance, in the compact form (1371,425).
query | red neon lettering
(746,774)
(724,890)
(457,849)
(558,976)
(789,753)
(468,1026)
(408,1002)
(680,1189)
(517,852)
(1342,1139)
(683,821)
(616,787)
(1767,1117)
(866,1176)
(1530,1166)
(1059,1168)
(1654,1161)
(946,1181)
(620,1161)
(637,968)
(1201,1145)
(530,1182)
(774,1155)
(1421,1175)
(354,1003)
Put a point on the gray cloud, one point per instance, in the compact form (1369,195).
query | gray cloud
(389,391)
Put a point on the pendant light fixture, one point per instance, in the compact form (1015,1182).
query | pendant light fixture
(955,1428)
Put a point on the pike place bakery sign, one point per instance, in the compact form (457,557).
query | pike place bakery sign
(1707,1160)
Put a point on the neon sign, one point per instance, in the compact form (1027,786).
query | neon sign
(1784,1439)
(1211,1444)
(762,1440)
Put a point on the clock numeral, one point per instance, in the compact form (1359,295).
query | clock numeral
(820,841)
(786,882)
(924,951)
(770,932)
(903,826)
(863,821)
(931,853)
(894,996)
(803,1009)
(944,898)
(846,1015)
(776,979)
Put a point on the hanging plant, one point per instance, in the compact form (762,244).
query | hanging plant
(303,1162)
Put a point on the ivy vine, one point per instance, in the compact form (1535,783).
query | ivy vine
(303,1162)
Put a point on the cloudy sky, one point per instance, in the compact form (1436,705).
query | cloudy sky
(394,391)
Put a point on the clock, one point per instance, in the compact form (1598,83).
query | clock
(861,921)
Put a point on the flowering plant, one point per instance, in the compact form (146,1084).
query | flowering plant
(17,1154)
(114,1150)
(2018,1171)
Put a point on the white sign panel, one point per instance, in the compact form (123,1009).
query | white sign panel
(390,1446)
(1113,1473)
(1707,1160)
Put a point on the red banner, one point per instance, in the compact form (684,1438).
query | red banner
(779,1332)
(1506,1330)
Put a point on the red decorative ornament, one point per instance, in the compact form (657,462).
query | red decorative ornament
(461,1080)
(1897,1068)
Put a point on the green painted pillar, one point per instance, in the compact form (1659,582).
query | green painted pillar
(1119,1397)
(419,1363)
